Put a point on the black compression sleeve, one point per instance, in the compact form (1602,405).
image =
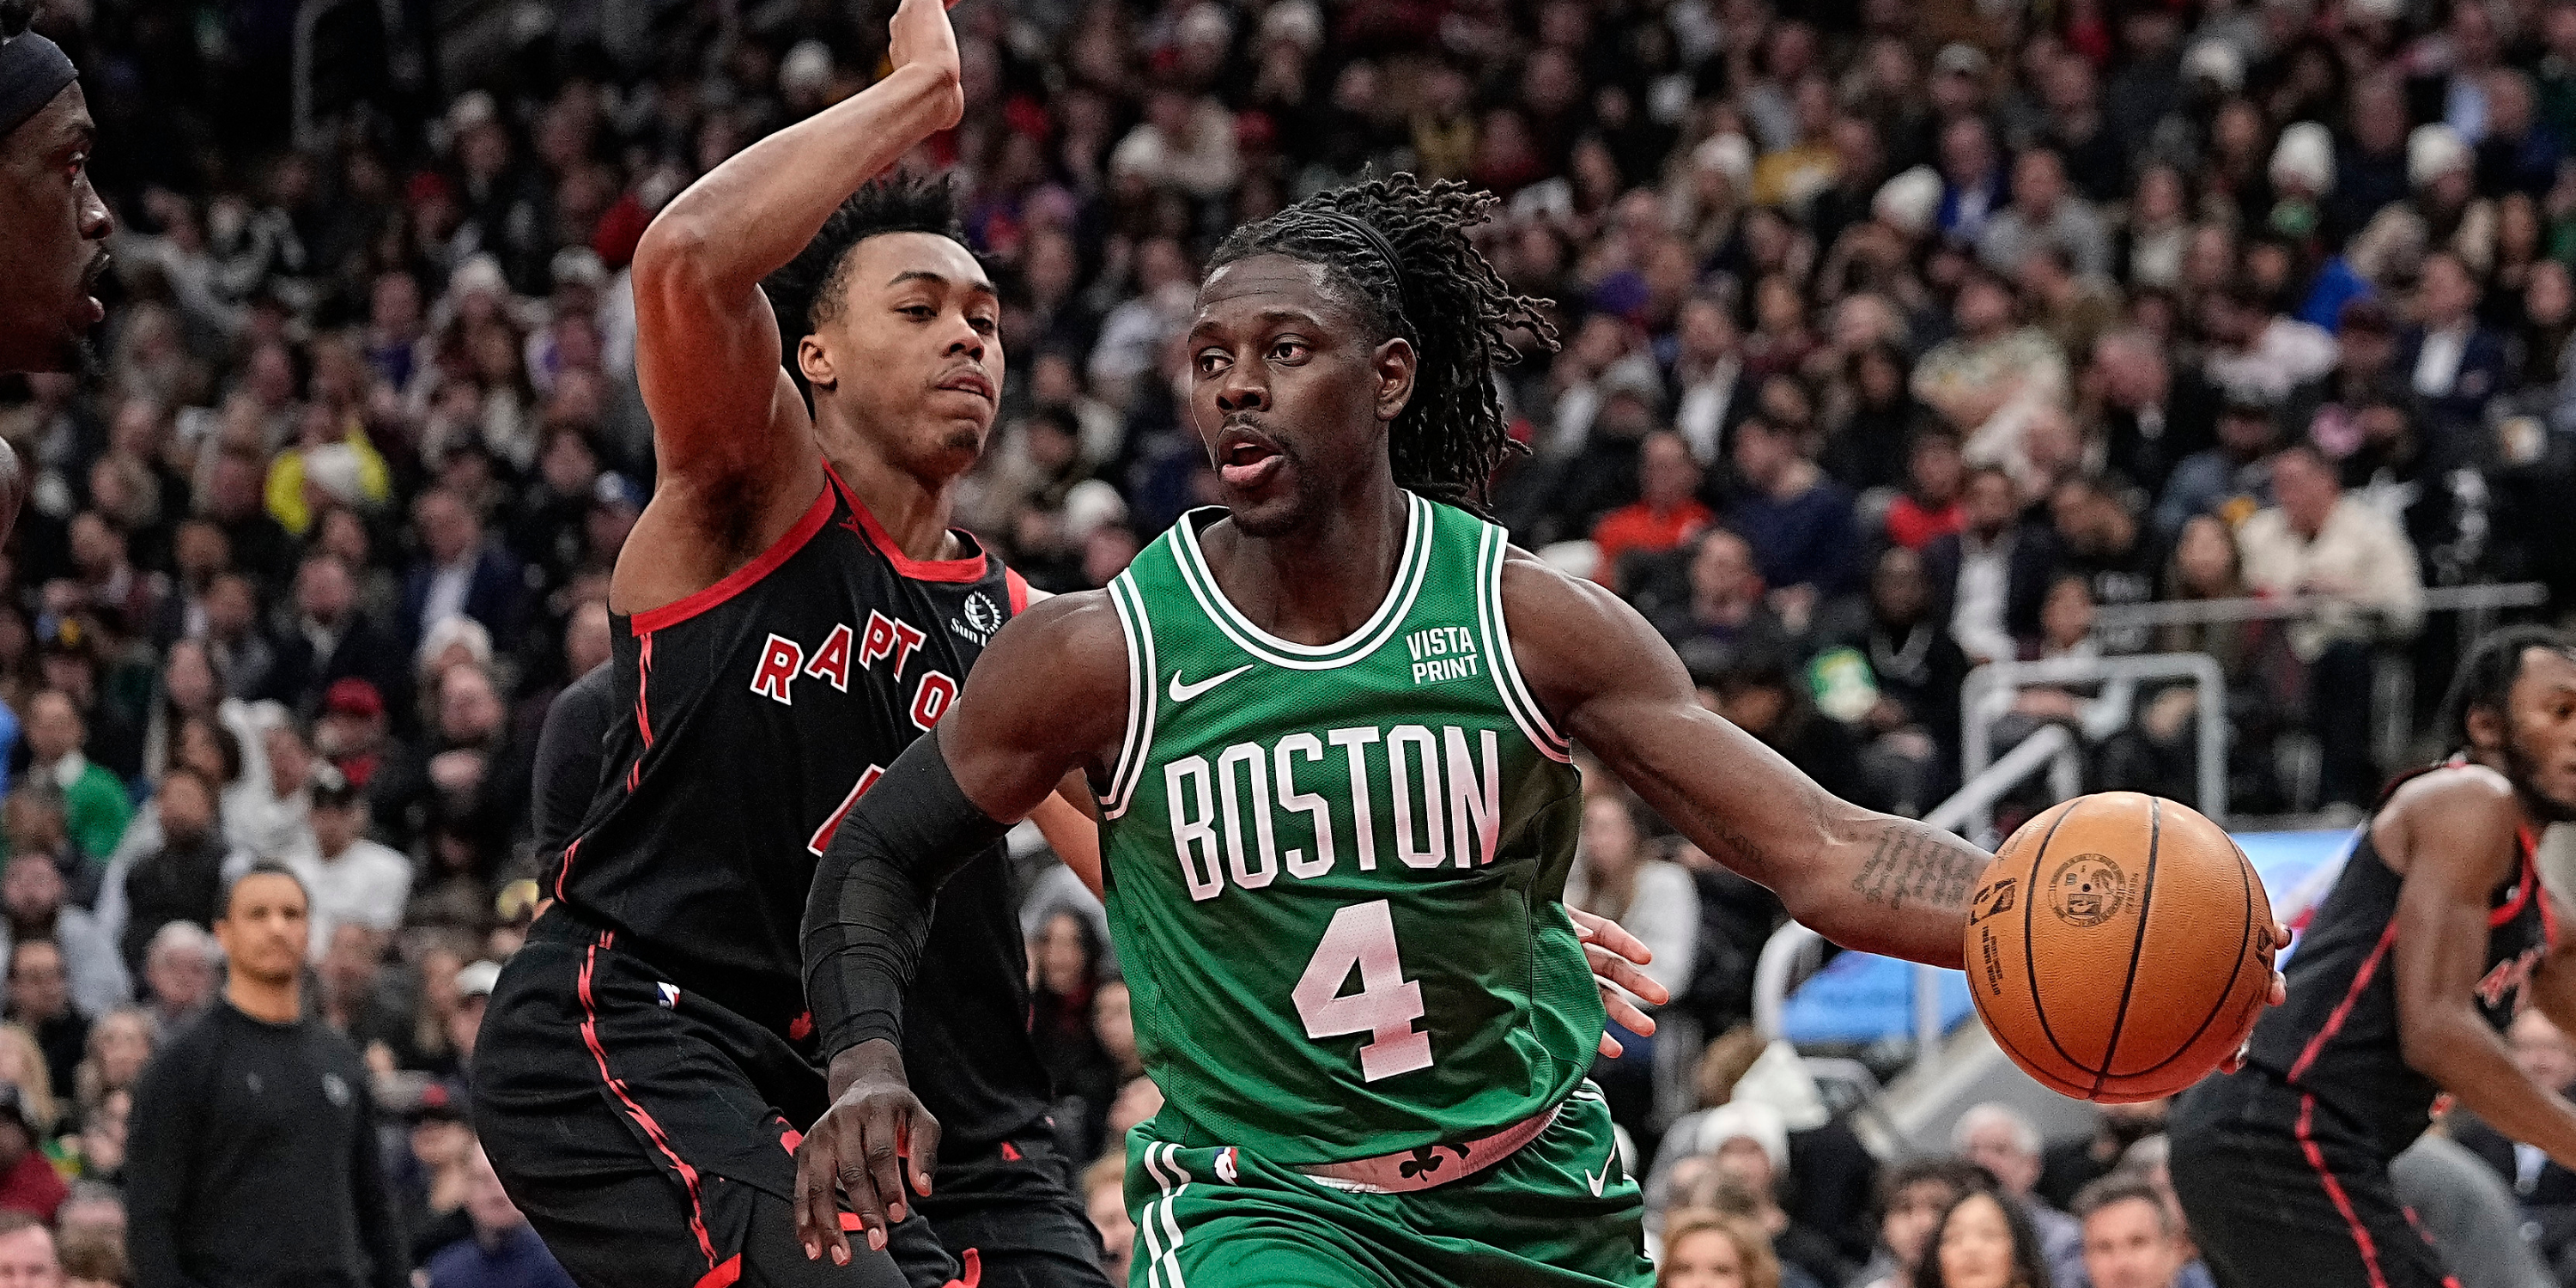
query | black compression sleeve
(869,911)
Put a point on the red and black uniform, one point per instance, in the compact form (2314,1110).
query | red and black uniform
(647,1063)
(2283,1165)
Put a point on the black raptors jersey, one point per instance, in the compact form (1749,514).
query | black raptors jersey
(755,712)
(2336,1038)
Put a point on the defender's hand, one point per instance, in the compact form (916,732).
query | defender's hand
(921,36)
(2280,995)
(874,1119)
(1615,956)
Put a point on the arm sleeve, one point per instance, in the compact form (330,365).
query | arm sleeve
(158,1158)
(870,907)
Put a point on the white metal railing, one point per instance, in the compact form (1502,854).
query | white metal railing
(2205,612)
(1793,951)
(1988,691)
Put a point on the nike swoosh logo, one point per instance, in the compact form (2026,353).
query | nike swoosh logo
(1603,1178)
(1184,692)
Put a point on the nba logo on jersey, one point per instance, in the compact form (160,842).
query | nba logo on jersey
(1225,1165)
(670,995)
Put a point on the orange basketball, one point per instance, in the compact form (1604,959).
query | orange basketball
(2119,947)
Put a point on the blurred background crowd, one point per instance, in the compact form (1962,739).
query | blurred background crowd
(1899,337)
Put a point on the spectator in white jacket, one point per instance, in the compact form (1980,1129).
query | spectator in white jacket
(2359,571)
(349,877)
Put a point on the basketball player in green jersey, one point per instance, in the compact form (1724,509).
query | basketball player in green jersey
(1329,728)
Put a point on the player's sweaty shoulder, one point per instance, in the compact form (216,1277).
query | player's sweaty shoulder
(1572,635)
(2455,810)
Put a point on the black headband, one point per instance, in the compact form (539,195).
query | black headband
(1385,249)
(32,70)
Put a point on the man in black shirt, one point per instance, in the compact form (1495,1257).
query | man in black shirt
(569,755)
(252,1157)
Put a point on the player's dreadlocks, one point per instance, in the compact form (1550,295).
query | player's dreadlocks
(15,15)
(1448,302)
(808,292)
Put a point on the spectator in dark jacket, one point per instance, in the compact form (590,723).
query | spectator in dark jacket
(1805,538)
(503,1251)
(458,573)
(2454,365)
(1989,579)
(180,879)
(330,639)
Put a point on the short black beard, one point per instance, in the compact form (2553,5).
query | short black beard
(2523,771)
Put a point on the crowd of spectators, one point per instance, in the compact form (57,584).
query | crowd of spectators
(1899,336)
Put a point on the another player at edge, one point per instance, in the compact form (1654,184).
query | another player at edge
(2437,929)
(1330,728)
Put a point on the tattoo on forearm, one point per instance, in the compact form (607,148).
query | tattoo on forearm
(1747,854)
(1920,863)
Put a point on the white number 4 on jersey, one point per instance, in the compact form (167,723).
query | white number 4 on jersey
(1387,1004)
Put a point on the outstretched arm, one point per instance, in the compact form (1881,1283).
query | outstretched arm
(1047,697)
(730,431)
(1860,878)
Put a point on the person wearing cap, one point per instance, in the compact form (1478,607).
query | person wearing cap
(350,878)
(1746,1145)
(474,985)
(351,730)
(252,1155)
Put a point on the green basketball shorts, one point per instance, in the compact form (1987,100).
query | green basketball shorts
(1560,1212)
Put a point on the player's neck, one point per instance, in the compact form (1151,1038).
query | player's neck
(913,510)
(1323,580)
(275,1003)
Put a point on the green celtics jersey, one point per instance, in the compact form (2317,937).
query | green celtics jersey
(1335,872)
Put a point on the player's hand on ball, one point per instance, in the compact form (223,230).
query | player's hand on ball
(874,1120)
(1615,956)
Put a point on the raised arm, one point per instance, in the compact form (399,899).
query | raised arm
(731,437)
(1860,878)
(2453,833)
(1047,698)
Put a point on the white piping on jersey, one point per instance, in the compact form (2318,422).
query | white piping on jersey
(1163,1267)
(1411,570)
(1142,700)
(1506,671)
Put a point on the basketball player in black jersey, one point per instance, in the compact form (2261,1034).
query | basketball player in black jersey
(2436,929)
(790,611)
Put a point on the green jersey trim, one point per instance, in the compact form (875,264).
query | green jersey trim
(1412,565)
(1533,722)
(1141,704)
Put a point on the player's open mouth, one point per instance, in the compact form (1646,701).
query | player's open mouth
(969,382)
(92,312)
(1245,457)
